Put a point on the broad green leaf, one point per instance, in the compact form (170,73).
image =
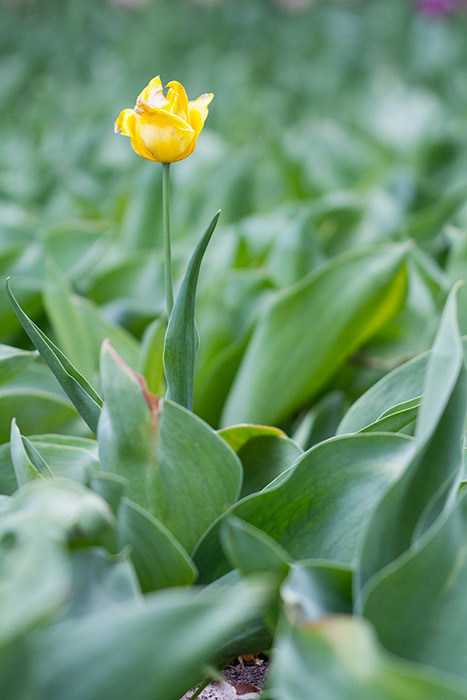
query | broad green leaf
(402,384)
(181,338)
(320,507)
(178,468)
(66,321)
(251,550)
(264,452)
(99,327)
(316,588)
(418,604)
(320,422)
(228,303)
(80,326)
(27,462)
(340,657)
(437,462)
(13,361)
(307,332)
(138,229)
(151,364)
(256,634)
(71,510)
(76,246)
(35,576)
(99,579)
(66,456)
(159,560)
(295,249)
(131,282)
(264,458)
(213,384)
(110,487)
(396,418)
(429,221)
(154,649)
(70,457)
(14,685)
(238,435)
(80,393)
(28,288)
(37,406)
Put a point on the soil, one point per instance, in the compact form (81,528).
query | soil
(243,678)
(253,671)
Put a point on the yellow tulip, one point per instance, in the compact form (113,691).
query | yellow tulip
(164,128)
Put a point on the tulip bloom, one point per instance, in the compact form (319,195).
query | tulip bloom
(164,128)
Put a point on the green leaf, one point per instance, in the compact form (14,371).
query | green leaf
(110,487)
(264,458)
(238,435)
(100,579)
(151,364)
(256,634)
(181,338)
(178,468)
(159,560)
(80,326)
(320,507)
(69,457)
(38,403)
(13,361)
(34,573)
(14,685)
(307,332)
(397,387)
(66,321)
(340,657)
(71,510)
(251,550)
(314,589)
(154,649)
(143,209)
(428,223)
(418,603)
(264,452)
(396,418)
(80,393)
(27,462)
(320,422)
(434,469)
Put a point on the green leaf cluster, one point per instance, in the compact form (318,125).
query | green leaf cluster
(344,562)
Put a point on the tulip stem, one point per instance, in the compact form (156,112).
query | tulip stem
(169,294)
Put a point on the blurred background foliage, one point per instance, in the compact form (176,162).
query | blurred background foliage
(335,126)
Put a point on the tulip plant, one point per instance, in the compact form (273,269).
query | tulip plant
(165,130)
(139,555)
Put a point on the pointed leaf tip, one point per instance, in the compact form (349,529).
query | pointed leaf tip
(181,339)
(85,399)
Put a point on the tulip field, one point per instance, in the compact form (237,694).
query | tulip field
(233,335)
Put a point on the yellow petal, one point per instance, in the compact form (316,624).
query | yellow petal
(177,99)
(153,93)
(161,117)
(127,123)
(166,143)
(198,111)
(164,129)
(123,122)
